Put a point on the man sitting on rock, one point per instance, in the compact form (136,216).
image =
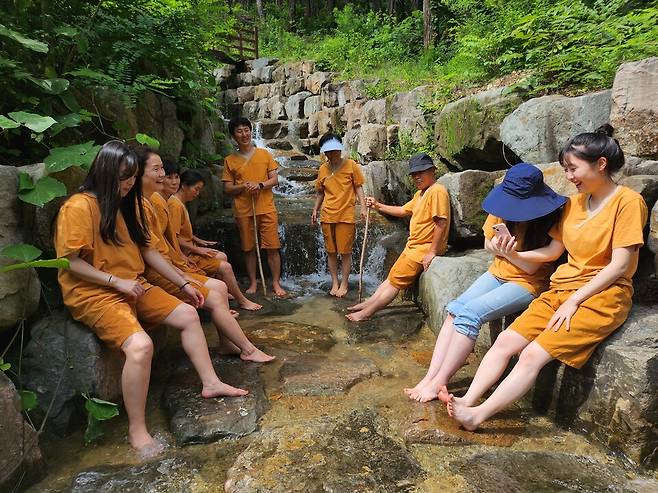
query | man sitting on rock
(428,235)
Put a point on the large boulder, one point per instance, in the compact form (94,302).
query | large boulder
(263,74)
(327,120)
(271,129)
(537,130)
(638,166)
(408,104)
(555,178)
(372,142)
(374,111)
(467,190)
(329,94)
(247,93)
(21,462)
(388,181)
(156,116)
(273,108)
(635,107)
(295,105)
(350,91)
(19,289)
(262,91)
(352,114)
(467,131)
(293,86)
(312,105)
(316,81)
(258,63)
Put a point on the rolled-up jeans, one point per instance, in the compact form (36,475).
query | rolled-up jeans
(488,298)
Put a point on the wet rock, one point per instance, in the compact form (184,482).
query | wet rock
(312,105)
(388,181)
(21,462)
(297,129)
(467,190)
(169,475)
(193,419)
(395,322)
(300,338)
(372,142)
(520,472)
(635,107)
(445,280)
(374,111)
(537,130)
(310,146)
(467,131)
(295,105)
(61,348)
(433,436)
(348,454)
(300,174)
(316,81)
(273,129)
(316,375)
(279,144)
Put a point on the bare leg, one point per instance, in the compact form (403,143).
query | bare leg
(522,377)
(377,294)
(332,263)
(250,264)
(388,293)
(227,326)
(228,276)
(135,377)
(274,261)
(346,267)
(185,318)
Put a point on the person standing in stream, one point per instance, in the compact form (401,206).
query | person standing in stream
(249,175)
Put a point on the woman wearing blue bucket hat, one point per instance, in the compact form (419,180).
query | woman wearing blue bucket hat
(522,210)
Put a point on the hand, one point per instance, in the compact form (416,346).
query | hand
(364,212)
(251,187)
(314,217)
(205,243)
(193,294)
(189,261)
(427,260)
(207,252)
(372,202)
(563,315)
(503,247)
(131,288)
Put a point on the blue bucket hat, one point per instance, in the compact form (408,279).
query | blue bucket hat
(523,195)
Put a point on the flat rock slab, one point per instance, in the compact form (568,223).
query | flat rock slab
(301,338)
(272,306)
(512,472)
(316,375)
(343,454)
(393,323)
(170,475)
(193,419)
(300,174)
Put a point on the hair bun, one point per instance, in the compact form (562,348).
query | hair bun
(605,129)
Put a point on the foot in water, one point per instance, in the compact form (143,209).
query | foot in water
(357,307)
(421,393)
(221,389)
(464,415)
(279,291)
(250,305)
(443,394)
(252,288)
(359,316)
(342,291)
(146,446)
(333,290)
(257,356)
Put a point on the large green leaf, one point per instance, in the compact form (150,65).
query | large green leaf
(6,123)
(36,123)
(32,44)
(54,263)
(88,73)
(4,366)
(147,140)
(65,121)
(94,429)
(46,189)
(28,400)
(21,252)
(52,86)
(25,182)
(61,158)
(100,409)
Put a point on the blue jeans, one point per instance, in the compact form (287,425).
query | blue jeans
(488,298)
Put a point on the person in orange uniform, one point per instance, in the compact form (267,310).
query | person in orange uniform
(195,250)
(338,185)
(589,295)
(428,235)
(99,230)
(249,175)
(232,339)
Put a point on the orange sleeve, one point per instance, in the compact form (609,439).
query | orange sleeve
(227,174)
(75,230)
(488,230)
(357,176)
(271,163)
(319,182)
(440,203)
(409,206)
(629,224)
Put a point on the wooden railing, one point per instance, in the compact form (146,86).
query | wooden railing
(243,45)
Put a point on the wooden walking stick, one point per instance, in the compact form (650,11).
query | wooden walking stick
(260,262)
(363,253)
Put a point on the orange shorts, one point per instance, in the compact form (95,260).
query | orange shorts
(596,318)
(404,272)
(338,237)
(123,319)
(209,265)
(157,279)
(268,231)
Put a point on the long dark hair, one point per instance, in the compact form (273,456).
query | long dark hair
(536,230)
(591,146)
(103,181)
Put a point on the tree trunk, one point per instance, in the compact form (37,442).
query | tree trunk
(391,7)
(415,5)
(330,5)
(427,24)
(291,13)
(259,8)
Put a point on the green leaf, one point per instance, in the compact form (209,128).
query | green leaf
(88,73)
(69,101)
(25,182)
(100,409)
(52,86)
(21,252)
(4,366)
(65,121)
(55,263)
(46,189)
(148,141)
(61,158)
(68,31)
(34,122)
(6,123)
(31,44)
(28,400)
(94,430)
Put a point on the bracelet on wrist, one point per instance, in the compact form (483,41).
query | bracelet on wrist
(109,280)
(184,284)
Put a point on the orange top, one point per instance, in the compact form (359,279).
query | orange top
(339,190)
(590,238)
(433,203)
(161,210)
(179,223)
(78,230)
(238,170)
(505,270)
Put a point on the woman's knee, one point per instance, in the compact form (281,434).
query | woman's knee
(183,316)
(218,286)
(509,342)
(222,256)
(467,321)
(138,347)
(534,357)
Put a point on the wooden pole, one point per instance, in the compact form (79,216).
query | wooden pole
(260,262)
(363,253)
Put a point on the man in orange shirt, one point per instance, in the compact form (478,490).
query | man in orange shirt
(249,176)
(428,235)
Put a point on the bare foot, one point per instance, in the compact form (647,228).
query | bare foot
(357,307)
(140,439)
(333,290)
(279,291)
(443,394)
(230,296)
(234,313)
(357,316)
(252,288)
(342,291)
(220,389)
(466,416)
(257,356)
(250,305)
(422,394)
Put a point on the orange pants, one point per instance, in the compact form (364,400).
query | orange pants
(338,237)
(268,231)
(404,272)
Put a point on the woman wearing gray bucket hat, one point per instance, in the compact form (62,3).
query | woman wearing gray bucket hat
(522,210)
